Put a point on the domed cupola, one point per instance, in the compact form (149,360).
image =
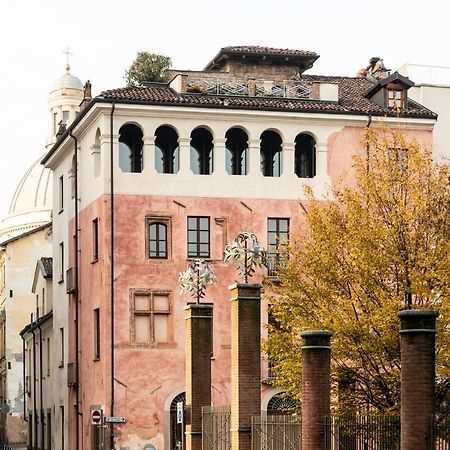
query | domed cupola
(64,101)
(31,205)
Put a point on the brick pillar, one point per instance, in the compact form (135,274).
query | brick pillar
(316,356)
(245,362)
(198,369)
(417,348)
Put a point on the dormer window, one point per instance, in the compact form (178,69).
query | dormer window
(391,92)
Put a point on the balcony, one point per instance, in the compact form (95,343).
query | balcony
(70,281)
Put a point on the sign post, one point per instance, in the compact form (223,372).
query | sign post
(180,420)
(96,417)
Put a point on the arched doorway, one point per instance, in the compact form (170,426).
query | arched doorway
(177,429)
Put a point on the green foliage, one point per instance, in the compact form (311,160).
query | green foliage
(369,251)
(149,67)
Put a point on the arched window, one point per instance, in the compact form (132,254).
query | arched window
(157,240)
(236,158)
(271,158)
(201,152)
(166,150)
(282,404)
(176,429)
(305,156)
(96,153)
(130,148)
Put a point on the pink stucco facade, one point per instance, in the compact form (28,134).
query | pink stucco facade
(149,376)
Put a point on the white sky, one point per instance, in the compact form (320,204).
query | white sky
(105,36)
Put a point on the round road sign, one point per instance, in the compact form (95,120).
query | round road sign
(96,417)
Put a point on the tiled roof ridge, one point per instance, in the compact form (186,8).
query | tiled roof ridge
(351,100)
(264,49)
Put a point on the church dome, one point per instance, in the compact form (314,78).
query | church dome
(67,81)
(31,205)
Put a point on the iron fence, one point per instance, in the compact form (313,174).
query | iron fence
(216,427)
(357,432)
(278,432)
(440,432)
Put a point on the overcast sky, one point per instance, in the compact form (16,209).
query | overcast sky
(104,37)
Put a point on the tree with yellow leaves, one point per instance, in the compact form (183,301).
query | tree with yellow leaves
(364,254)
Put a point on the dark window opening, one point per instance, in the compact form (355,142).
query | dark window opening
(166,150)
(95,240)
(236,151)
(97,338)
(271,159)
(198,237)
(130,148)
(305,156)
(277,242)
(157,240)
(201,152)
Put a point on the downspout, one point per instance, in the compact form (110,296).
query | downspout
(24,375)
(111,156)
(41,390)
(34,391)
(77,343)
(369,122)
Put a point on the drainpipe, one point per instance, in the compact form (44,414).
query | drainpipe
(111,156)
(41,387)
(24,375)
(34,391)
(77,343)
(369,122)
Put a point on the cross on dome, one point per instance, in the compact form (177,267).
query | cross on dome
(68,54)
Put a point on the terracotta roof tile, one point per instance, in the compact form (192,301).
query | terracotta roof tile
(351,99)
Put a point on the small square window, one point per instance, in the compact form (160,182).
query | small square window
(150,314)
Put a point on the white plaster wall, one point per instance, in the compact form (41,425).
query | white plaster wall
(60,298)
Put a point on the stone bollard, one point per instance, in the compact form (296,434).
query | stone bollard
(316,357)
(198,369)
(417,348)
(245,362)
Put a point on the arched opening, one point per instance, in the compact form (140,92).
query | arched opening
(130,148)
(177,430)
(281,404)
(270,150)
(166,150)
(305,156)
(236,157)
(202,152)
(96,153)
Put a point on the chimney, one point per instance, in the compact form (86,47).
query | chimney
(375,71)
(61,130)
(87,97)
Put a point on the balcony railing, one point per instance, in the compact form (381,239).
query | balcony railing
(239,87)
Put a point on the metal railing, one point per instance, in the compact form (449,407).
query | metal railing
(362,432)
(216,427)
(231,86)
(440,432)
(278,432)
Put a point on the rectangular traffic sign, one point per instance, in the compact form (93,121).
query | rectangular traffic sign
(115,419)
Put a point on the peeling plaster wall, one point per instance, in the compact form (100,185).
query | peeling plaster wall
(20,262)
